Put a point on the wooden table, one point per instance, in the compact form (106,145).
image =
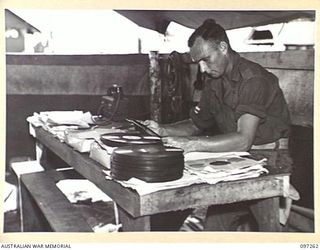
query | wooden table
(135,211)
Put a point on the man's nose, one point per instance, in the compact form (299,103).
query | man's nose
(203,66)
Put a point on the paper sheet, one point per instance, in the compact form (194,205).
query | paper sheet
(79,190)
(100,155)
(67,118)
(225,168)
(57,122)
(81,140)
(143,187)
(209,155)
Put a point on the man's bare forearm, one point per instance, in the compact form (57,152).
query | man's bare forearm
(218,143)
(181,128)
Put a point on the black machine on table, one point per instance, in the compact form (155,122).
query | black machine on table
(113,106)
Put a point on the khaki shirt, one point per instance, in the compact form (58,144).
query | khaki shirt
(249,88)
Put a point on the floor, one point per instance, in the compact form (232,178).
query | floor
(11,221)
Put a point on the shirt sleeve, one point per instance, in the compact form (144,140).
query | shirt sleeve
(254,97)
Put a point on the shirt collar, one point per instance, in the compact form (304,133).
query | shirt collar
(234,74)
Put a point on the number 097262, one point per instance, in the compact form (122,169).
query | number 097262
(309,246)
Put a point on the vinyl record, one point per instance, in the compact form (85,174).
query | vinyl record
(157,176)
(128,139)
(172,167)
(151,163)
(145,152)
(154,174)
(147,164)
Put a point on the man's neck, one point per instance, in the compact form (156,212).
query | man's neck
(230,58)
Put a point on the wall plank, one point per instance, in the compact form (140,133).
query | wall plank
(293,59)
(76,79)
(298,89)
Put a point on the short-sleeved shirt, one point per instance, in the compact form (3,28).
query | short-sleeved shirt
(247,89)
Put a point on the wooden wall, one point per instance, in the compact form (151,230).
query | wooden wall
(37,83)
(295,70)
(76,74)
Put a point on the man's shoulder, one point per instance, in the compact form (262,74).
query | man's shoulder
(249,69)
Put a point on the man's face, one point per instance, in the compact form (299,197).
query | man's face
(211,57)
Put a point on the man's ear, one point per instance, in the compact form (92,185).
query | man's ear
(223,46)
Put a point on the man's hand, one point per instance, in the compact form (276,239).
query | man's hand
(154,126)
(177,142)
(180,128)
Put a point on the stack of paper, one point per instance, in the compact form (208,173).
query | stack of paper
(57,122)
(143,187)
(225,167)
(81,140)
(67,118)
(101,153)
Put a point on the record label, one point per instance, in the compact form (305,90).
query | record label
(125,139)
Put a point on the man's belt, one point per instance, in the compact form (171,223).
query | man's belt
(282,143)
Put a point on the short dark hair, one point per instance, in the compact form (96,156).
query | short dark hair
(211,31)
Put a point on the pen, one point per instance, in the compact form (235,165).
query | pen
(144,127)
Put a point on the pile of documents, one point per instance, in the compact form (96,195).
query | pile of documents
(101,153)
(82,140)
(217,167)
(142,187)
(72,127)
(57,122)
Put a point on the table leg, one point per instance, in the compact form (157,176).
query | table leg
(39,151)
(131,224)
(266,212)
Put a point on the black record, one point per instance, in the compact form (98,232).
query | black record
(148,168)
(145,152)
(128,139)
(151,163)
(157,174)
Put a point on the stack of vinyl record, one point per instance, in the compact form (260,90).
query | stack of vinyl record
(151,163)
(128,139)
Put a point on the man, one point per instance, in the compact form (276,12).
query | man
(242,99)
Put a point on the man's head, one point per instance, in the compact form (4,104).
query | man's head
(209,46)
